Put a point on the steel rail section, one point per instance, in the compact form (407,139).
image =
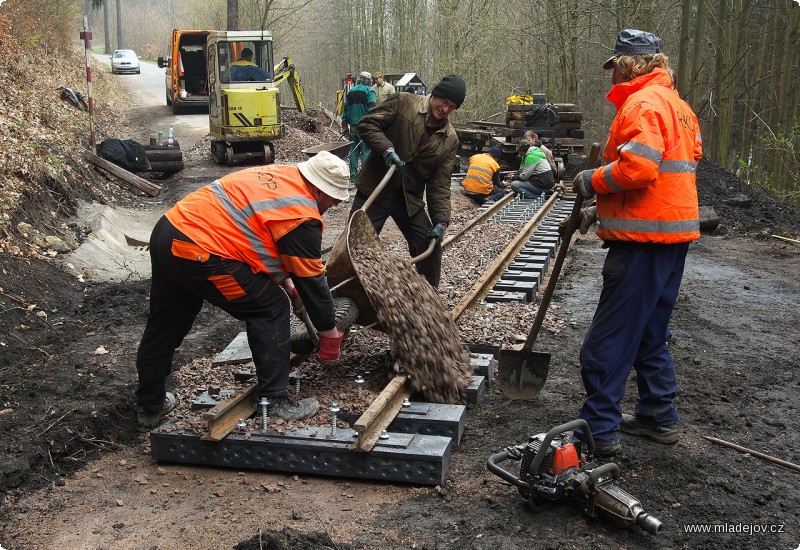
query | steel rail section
(491,275)
(483,216)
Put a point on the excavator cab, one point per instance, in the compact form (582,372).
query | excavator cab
(244,104)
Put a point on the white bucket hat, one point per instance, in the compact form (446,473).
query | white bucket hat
(328,173)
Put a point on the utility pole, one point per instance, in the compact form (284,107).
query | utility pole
(233,15)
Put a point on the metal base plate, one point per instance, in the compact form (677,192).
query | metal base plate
(404,458)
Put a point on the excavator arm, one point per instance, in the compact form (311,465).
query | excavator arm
(285,70)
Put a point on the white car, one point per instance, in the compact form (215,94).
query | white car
(125,61)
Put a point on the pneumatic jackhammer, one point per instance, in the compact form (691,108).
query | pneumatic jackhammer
(554,470)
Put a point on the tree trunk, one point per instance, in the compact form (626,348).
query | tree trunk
(233,15)
(698,47)
(120,41)
(683,48)
(106,28)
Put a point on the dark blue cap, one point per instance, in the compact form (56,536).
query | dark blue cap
(634,42)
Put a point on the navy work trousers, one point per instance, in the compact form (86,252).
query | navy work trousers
(414,228)
(179,287)
(630,331)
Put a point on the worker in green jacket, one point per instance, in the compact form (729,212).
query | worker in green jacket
(535,175)
(359,101)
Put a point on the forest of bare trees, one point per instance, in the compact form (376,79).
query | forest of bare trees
(736,62)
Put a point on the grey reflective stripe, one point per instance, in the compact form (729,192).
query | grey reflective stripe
(698,138)
(608,177)
(677,166)
(240,219)
(649,226)
(484,170)
(280,202)
(475,178)
(641,150)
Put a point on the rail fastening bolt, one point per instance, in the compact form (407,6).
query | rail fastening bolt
(297,375)
(384,435)
(359,384)
(264,405)
(406,402)
(333,410)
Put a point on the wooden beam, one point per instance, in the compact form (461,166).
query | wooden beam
(380,413)
(132,179)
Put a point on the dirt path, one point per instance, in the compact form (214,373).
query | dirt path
(77,471)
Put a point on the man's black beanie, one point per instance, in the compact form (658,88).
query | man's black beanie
(451,87)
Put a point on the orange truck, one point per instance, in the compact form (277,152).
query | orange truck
(185,70)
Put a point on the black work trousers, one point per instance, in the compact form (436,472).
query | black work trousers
(180,285)
(414,228)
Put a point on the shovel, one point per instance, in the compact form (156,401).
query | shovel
(522,373)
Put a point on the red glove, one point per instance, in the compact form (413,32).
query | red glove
(329,348)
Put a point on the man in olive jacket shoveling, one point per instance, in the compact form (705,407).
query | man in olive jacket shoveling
(414,134)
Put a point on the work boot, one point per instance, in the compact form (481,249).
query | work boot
(606,449)
(150,418)
(283,407)
(666,435)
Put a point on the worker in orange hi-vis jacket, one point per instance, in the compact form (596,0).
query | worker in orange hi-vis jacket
(248,243)
(647,214)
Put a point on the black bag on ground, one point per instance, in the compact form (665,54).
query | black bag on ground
(128,154)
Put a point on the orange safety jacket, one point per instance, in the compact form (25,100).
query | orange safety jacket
(646,192)
(482,168)
(243,215)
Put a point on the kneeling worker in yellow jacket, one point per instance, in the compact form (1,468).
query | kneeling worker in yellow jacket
(482,181)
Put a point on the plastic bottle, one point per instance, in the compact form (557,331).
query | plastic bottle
(170,137)
(160,138)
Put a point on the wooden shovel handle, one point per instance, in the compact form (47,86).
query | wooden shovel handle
(373,197)
(572,224)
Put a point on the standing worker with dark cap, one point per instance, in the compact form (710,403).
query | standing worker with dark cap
(414,134)
(244,243)
(381,88)
(359,101)
(647,214)
(482,181)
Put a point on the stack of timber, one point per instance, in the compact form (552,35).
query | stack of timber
(164,159)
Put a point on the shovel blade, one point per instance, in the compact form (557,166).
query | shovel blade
(522,374)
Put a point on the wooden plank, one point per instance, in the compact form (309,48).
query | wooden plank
(380,413)
(128,177)
(222,419)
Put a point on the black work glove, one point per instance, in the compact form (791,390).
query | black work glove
(582,184)
(393,158)
(587,218)
(437,232)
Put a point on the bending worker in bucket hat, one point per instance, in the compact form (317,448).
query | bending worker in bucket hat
(647,214)
(248,243)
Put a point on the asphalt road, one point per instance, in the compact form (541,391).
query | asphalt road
(149,92)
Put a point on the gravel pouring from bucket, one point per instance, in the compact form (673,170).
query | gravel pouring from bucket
(522,373)
(343,276)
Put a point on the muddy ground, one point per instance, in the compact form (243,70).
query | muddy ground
(75,469)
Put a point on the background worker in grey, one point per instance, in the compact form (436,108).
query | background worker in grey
(381,88)
(358,102)
(414,134)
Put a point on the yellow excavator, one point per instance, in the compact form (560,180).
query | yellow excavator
(244,103)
